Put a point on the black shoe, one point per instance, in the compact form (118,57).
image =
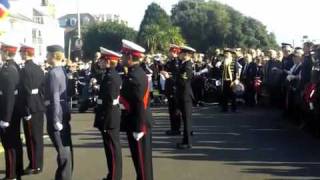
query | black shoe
(173,133)
(183,146)
(30,171)
(192,133)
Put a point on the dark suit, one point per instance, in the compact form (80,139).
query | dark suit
(32,94)
(172,67)
(185,98)
(137,118)
(10,112)
(248,77)
(306,69)
(107,120)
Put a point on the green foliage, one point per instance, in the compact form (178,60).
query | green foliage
(211,24)
(108,35)
(156,30)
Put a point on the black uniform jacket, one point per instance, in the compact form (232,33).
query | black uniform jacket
(32,88)
(108,111)
(135,96)
(9,84)
(184,89)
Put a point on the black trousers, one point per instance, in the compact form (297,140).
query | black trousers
(174,114)
(250,93)
(141,152)
(33,131)
(227,96)
(63,145)
(186,112)
(12,144)
(112,147)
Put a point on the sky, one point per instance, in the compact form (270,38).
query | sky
(288,19)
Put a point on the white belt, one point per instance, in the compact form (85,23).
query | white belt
(34,91)
(122,107)
(99,101)
(15,92)
(114,102)
(47,102)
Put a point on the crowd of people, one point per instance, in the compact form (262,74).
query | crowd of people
(125,83)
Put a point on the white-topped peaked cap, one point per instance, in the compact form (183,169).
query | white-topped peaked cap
(108,52)
(132,46)
(187,49)
(26,45)
(8,43)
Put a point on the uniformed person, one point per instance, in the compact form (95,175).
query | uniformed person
(32,94)
(230,69)
(10,114)
(172,67)
(185,94)
(58,113)
(107,118)
(136,117)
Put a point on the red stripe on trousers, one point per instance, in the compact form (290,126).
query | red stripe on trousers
(113,159)
(10,164)
(141,159)
(31,145)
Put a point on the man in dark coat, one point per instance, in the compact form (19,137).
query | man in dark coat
(136,116)
(248,77)
(10,114)
(172,67)
(107,118)
(185,95)
(32,94)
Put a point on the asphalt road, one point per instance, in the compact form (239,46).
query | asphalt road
(252,144)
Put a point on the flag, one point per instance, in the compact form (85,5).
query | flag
(4,9)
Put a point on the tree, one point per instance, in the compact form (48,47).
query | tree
(156,30)
(108,35)
(211,24)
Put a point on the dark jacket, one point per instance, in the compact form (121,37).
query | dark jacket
(184,89)
(135,93)
(9,85)
(108,111)
(32,88)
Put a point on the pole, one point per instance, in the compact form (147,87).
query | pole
(69,49)
(79,19)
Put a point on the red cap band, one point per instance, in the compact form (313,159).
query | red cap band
(175,50)
(9,49)
(132,52)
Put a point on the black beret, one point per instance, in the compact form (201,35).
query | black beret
(55,48)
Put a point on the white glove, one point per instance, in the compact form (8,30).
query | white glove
(27,118)
(311,106)
(236,82)
(218,64)
(4,124)
(218,83)
(138,135)
(290,77)
(58,126)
